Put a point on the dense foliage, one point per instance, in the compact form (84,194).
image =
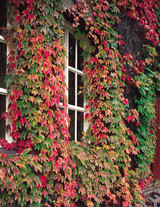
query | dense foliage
(111,164)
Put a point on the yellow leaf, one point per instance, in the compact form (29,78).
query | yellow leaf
(148,61)
(21,164)
(34,91)
(90,203)
(32,99)
(107,147)
(2,174)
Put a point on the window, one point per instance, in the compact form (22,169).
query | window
(3,59)
(74,66)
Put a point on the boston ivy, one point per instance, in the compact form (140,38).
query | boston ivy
(112,163)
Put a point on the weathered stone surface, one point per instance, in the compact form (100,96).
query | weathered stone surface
(67,4)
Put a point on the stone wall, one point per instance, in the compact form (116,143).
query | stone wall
(68,4)
(153,187)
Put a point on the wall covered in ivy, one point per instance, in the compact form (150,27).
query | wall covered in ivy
(111,164)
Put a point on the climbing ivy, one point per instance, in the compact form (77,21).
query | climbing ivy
(42,171)
(111,164)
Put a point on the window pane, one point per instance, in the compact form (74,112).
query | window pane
(80,98)
(80,121)
(2,120)
(71,50)
(3,10)
(72,125)
(3,50)
(71,88)
(80,59)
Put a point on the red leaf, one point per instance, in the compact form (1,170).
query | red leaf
(8,127)
(29,144)
(44,122)
(11,146)
(45,193)
(94,128)
(18,114)
(20,151)
(57,165)
(3,142)
(14,106)
(15,135)
(19,46)
(120,42)
(40,38)
(51,159)
(65,131)
(137,124)
(19,93)
(43,181)
(21,143)
(25,12)
(11,98)
(31,2)
(23,120)
(86,115)
(59,187)
(14,128)
(134,138)
(129,131)
(34,41)
(52,127)
(5,115)
(125,101)
(130,118)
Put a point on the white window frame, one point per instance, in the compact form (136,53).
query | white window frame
(3,91)
(76,71)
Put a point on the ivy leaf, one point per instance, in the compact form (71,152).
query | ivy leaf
(90,203)
(37,167)
(2,174)
(58,188)
(37,198)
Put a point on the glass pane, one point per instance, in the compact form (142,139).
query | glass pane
(72,125)
(80,59)
(71,50)
(80,125)
(71,88)
(80,98)
(3,10)
(2,120)
(3,50)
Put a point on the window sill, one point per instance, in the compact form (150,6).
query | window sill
(9,152)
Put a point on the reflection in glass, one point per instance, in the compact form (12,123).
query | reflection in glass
(80,124)
(80,98)
(3,50)
(80,59)
(72,125)
(2,120)
(3,11)
(71,88)
(71,50)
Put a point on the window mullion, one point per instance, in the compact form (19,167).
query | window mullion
(3,91)
(75,70)
(66,68)
(8,122)
(1,39)
(76,125)
(76,73)
(76,56)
